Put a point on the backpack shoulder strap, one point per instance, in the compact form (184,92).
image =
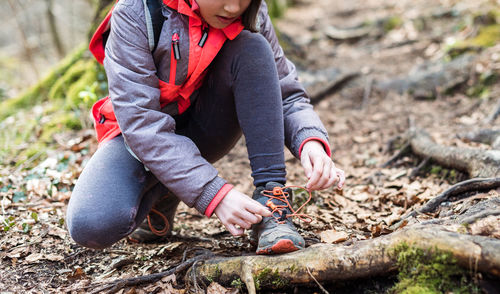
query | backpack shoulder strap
(154,21)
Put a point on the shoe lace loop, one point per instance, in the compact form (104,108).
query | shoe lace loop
(280,194)
(155,231)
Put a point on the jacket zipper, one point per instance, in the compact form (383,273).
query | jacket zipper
(204,37)
(174,56)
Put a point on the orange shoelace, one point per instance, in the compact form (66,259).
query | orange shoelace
(163,231)
(166,228)
(278,193)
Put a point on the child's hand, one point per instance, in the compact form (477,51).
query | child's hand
(319,168)
(238,212)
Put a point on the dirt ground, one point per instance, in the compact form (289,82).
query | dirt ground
(38,256)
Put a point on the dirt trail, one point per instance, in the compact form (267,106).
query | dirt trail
(361,120)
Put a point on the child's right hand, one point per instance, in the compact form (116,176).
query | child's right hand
(238,212)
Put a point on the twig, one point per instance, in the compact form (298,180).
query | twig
(331,87)
(419,168)
(367,92)
(319,285)
(122,283)
(494,114)
(403,152)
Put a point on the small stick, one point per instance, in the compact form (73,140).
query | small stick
(319,285)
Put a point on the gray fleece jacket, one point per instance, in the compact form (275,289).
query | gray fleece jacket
(133,75)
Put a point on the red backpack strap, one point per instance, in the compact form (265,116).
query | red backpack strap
(98,41)
(154,25)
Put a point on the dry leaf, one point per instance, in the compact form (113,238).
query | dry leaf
(488,226)
(332,236)
(215,288)
(77,274)
(33,257)
(57,232)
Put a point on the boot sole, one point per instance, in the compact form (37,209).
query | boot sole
(282,246)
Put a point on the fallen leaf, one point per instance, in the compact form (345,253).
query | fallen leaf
(33,257)
(57,232)
(77,274)
(332,236)
(215,288)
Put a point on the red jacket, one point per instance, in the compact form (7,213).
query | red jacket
(146,89)
(170,92)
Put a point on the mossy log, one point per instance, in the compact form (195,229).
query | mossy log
(327,262)
(475,162)
(39,92)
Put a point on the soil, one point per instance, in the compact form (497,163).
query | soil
(37,255)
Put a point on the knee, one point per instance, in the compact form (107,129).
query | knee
(252,45)
(96,231)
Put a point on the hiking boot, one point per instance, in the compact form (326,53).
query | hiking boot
(277,233)
(159,222)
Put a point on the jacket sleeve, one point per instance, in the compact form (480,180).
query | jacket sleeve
(134,91)
(301,122)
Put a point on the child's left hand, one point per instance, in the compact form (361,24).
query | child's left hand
(319,168)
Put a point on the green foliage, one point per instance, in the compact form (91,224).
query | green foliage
(276,8)
(430,271)
(268,278)
(39,92)
(238,284)
(482,88)
(392,23)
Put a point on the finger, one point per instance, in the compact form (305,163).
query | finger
(242,223)
(341,175)
(316,174)
(249,217)
(234,230)
(258,209)
(333,179)
(306,164)
(325,176)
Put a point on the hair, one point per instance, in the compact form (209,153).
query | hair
(249,17)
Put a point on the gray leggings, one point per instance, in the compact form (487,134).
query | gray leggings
(115,192)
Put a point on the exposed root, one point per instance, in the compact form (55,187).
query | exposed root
(460,190)
(332,86)
(494,114)
(406,150)
(328,262)
(486,136)
(477,163)
(122,283)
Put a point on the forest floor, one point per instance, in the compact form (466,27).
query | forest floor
(369,112)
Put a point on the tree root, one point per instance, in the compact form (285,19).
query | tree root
(477,163)
(328,262)
(116,285)
(460,190)
(494,114)
(486,136)
(336,84)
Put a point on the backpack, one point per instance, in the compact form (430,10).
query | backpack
(154,23)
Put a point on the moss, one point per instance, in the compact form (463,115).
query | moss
(482,88)
(39,91)
(429,271)
(487,36)
(216,275)
(61,86)
(59,122)
(392,23)
(86,90)
(276,8)
(238,284)
(268,278)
